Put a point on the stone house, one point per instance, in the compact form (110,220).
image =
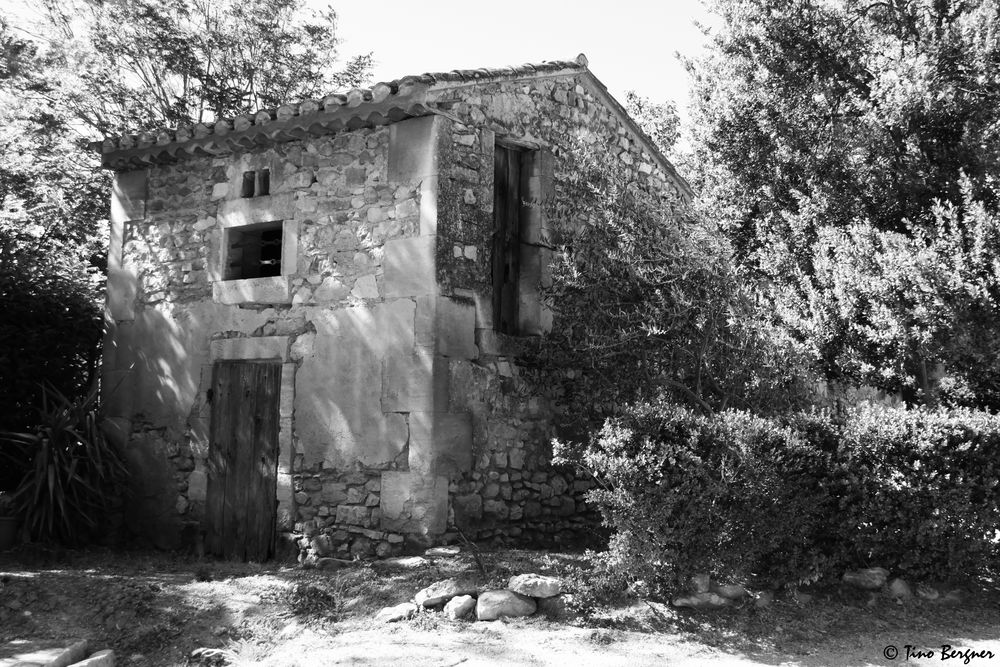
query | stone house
(314,311)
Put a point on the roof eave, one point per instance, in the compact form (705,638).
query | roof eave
(228,136)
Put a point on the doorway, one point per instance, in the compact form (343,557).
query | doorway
(241,501)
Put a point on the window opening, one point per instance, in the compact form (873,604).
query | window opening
(254,251)
(511,166)
(249,178)
(263,182)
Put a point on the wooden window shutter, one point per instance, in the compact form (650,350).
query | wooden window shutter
(508,178)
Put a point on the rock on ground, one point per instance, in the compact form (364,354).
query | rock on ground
(401,563)
(441,591)
(954,596)
(535,585)
(460,606)
(700,583)
(801,597)
(36,652)
(730,591)
(869,579)
(443,551)
(553,608)
(928,592)
(400,612)
(702,601)
(333,563)
(101,659)
(899,589)
(498,604)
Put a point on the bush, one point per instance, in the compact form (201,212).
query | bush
(732,494)
(923,493)
(73,474)
(51,329)
(790,501)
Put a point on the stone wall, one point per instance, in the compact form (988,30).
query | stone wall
(512,493)
(344,305)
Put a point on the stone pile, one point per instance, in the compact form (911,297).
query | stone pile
(459,598)
(876,580)
(869,579)
(705,594)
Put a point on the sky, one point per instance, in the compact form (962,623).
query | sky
(631,44)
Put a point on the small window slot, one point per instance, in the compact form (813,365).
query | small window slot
(263,182)
(249,180)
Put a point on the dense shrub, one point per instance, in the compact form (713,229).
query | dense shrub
(50,331)
(730,494)
(788,501)
(923,494)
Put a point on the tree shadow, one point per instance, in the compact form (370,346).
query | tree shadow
(53,595)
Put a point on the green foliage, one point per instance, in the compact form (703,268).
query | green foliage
(915,312)
(659,121)
(789,501)
(831,140)
(142,63)
(53,196)
(594,584)
(645,299)
(732,494)
(876,109)
(924,490)
(51,326)
(51,245)
(73,473)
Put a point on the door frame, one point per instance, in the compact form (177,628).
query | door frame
(267,348)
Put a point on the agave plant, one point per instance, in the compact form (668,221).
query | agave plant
(6,504)
(72,473)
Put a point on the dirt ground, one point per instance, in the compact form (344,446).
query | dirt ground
(157,610)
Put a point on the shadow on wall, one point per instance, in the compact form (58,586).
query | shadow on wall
(156,371)
(339,418)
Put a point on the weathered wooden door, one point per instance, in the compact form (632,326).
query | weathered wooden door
(243,460)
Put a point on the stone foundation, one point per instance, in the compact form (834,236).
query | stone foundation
(338,515)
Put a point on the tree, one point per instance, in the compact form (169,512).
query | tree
(646,302)
(136,64)
(659,121)
(51,245)
(915,312)
(832,122)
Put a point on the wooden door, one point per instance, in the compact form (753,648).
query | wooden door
(243,460)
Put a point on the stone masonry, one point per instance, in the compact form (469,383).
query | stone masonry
(404,416)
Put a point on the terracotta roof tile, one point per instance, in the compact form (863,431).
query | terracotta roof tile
(378,93)
(384,102)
